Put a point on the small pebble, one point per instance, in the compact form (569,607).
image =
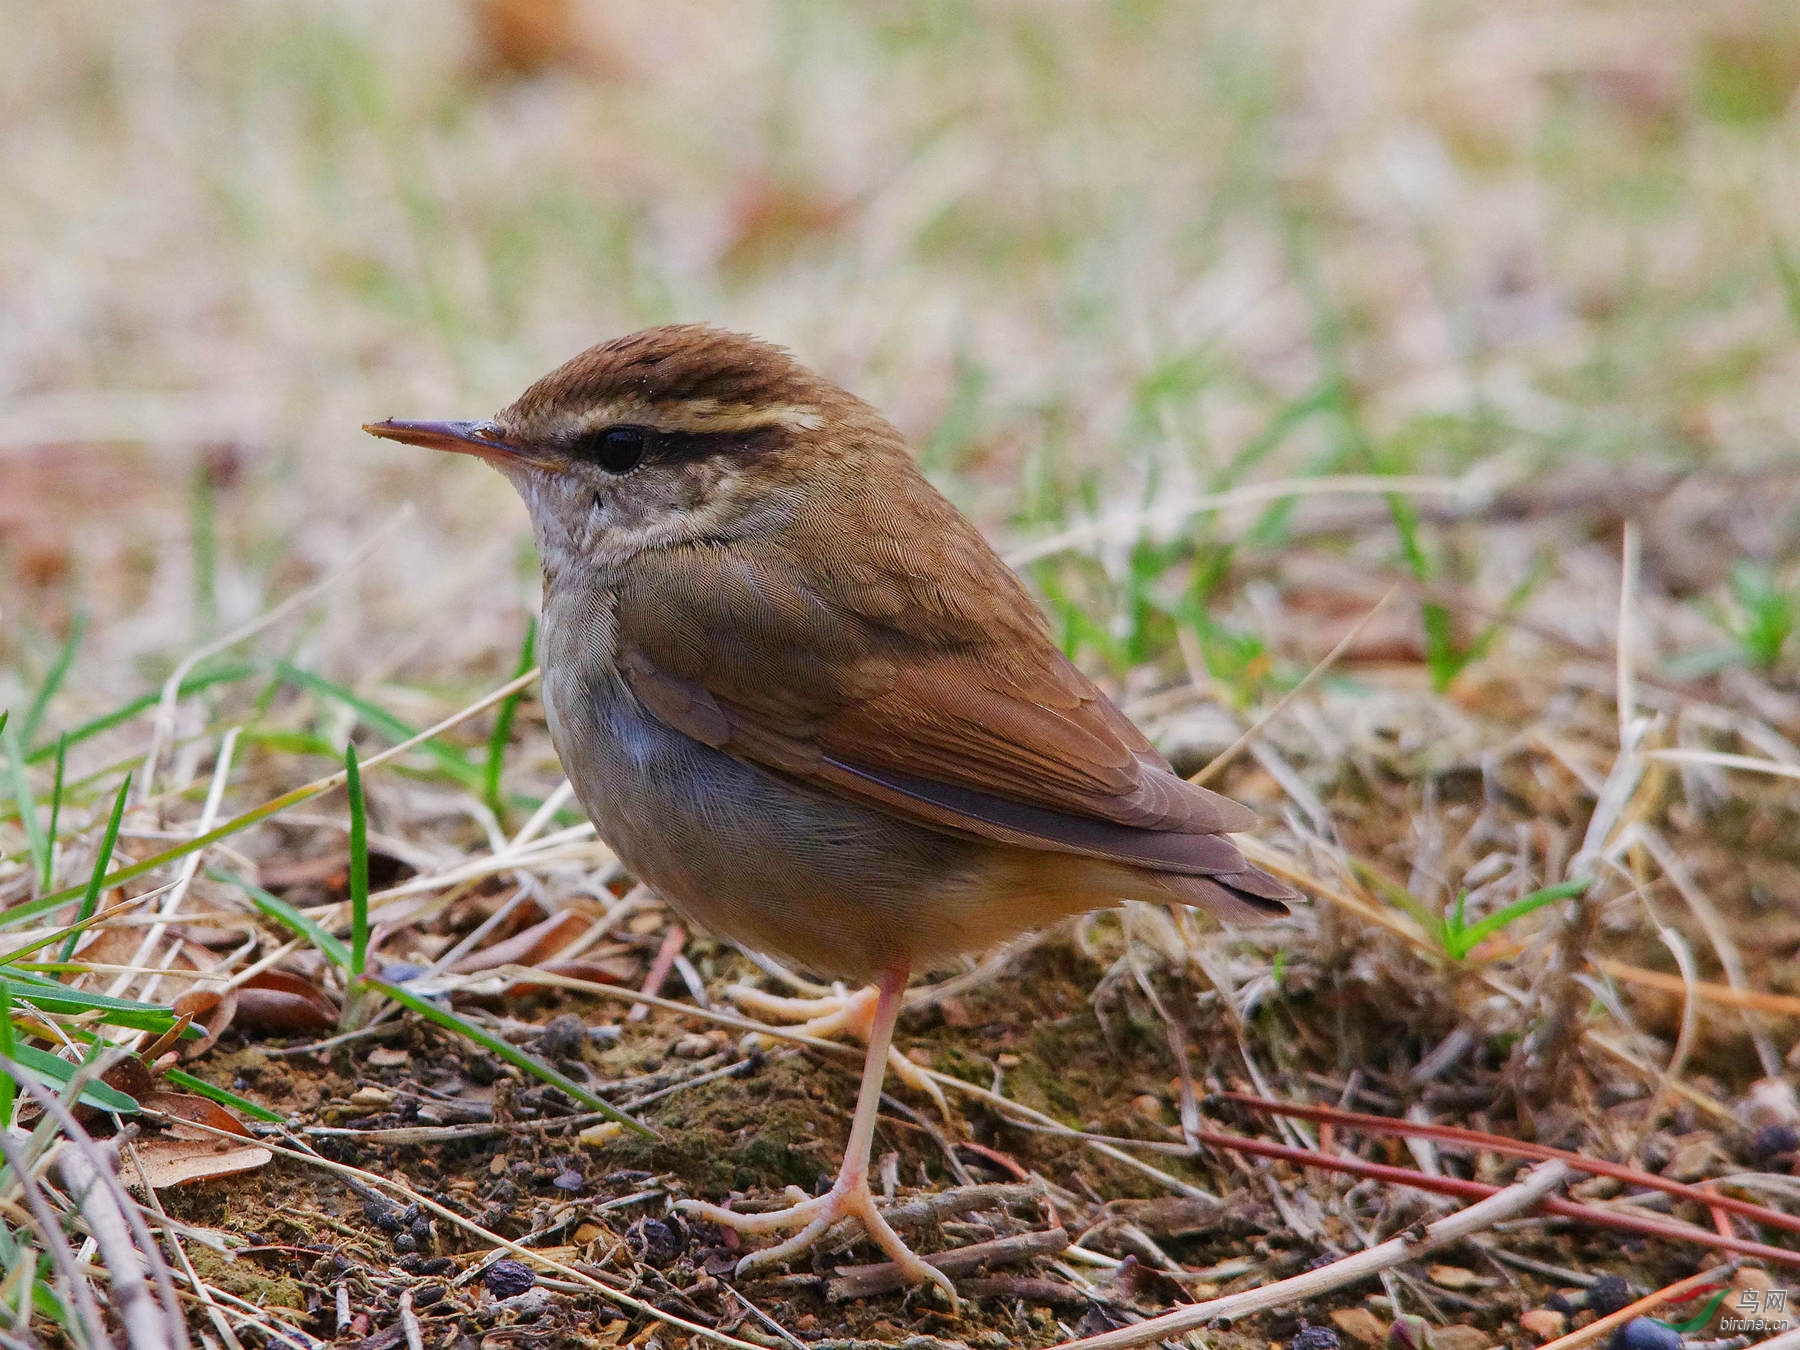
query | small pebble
(692,1046)
(562,1037)
(1771,1141)
(1315,1338)
(384,1216)
(1645,1333)
(658,1243)
(1608,1294)
(1360,1325)
(1544,1323)
(508,1278)
(528,1305)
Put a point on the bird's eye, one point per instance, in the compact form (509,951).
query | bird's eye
(617,449)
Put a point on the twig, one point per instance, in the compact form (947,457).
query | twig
(1783,1005)
(1171,514)
(1516,1199)
(409,1322)
(1599,1216)
(884,1276)
(1787,1340)
(935,1208)
(1499,1143)
(664,962)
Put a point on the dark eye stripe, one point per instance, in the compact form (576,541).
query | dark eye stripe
(623,446)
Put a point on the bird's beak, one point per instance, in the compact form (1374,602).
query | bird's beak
(482,439)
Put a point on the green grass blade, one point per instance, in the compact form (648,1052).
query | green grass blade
(131,871)
(9,1090)
(503,720)
(56,801)
(508,1052)
(218,1094)
(34,715)
(143,703)
(288,917)
(448,758)
(98,876)
(52,997)
(359,865)
(22,794)
(1462,941)
(58,1072)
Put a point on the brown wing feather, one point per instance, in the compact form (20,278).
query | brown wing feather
(933,694)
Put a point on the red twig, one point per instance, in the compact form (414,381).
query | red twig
(1456,1134)
(673,941)
(1594,1215)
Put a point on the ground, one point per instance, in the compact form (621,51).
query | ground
(1391,406)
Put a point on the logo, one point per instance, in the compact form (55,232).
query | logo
(1759,1310)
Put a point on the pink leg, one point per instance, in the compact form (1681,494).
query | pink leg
(850,1195)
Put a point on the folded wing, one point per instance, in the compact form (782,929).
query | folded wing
(939,698)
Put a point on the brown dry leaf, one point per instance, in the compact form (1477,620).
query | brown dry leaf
(1360,1325)
(168,1161)
(187,1106)
(278,1001)
(213,1009)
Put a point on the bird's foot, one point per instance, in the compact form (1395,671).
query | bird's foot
(834,1015)
(813,1216)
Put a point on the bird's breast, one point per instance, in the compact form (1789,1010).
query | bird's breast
(775,865)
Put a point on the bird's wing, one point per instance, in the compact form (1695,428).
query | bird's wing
(938,698)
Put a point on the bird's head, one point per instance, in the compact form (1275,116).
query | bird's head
(669,435)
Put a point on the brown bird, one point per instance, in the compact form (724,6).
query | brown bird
(804,701)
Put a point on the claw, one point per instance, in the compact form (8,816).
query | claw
(812,1217)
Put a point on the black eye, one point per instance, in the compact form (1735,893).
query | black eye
(616,449)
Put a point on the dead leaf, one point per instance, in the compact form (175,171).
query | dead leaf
(213,1009)
(189,1106)
(278,1001)
(168,1161)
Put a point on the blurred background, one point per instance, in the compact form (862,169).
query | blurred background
(1091,257)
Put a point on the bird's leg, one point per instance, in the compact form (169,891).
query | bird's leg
(850,1194)
(832,1015)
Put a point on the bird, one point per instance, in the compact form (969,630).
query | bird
(802,698)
